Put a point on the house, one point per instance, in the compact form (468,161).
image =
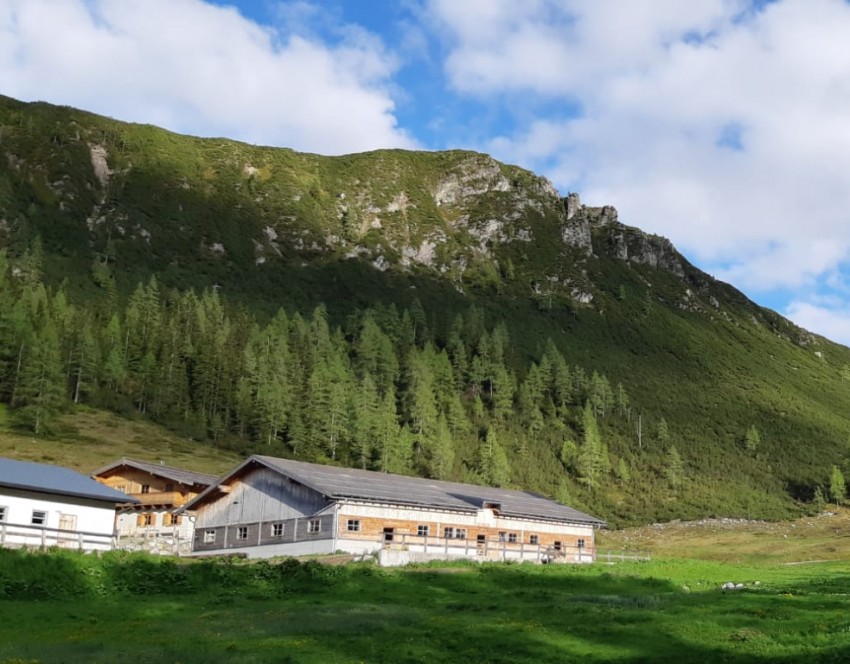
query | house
(157,491)
(269,507)
(42,505)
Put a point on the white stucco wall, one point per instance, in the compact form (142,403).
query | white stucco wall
(93,517)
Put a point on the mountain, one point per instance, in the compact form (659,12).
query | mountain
(510,335)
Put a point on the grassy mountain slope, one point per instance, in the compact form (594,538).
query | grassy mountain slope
(113,203)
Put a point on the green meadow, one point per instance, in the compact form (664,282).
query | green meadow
(64,607)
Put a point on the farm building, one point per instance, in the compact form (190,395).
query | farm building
(158,491)
(42,505)
(269,507)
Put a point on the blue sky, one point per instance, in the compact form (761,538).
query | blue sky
(721,124)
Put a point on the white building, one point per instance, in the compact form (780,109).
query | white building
(42,505)
(271,507)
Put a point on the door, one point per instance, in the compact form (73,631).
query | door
(481,544)
(67,522)
(389,533)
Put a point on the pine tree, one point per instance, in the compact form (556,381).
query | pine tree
(591,461)
(40,392)
(674,469)
(492,463)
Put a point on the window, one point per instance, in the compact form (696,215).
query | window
(454,533)
(422,531)
(503,536)
(448,533)
(314,526)
(122,488)
(354,525)
(146,488)
(147,519)
(4,511)
(39,518)
(512,538)
(556,546)
(277,530)
(460,533)
(533,539)
(170,519)
(580,543)
(242,532)
(209,536)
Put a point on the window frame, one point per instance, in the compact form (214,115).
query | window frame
(353,526)
(146,488)
(314,526)
(277,530)
(512,538)
(38,518)
(534,539)
(581,543)
(241,532)
(423,530)
(209,535)
(4,513)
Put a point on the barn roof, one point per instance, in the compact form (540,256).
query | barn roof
(176,474)
(351,483)
(56,480)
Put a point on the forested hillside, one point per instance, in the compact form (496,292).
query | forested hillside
(431,313)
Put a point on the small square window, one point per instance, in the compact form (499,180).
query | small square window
(242,532)
(39,518)
(277,530)
(460,533)
(146,488)
(533,539)
(4,511)
(512,537)
(147,519)
(422,531)
(354,525)
(209,536)
(503,536)
(580,543)
(314,526)
(448,533)
(557,546)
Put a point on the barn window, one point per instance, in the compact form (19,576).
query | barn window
(3,512)
(39,518)
(209,536)
(460,533)
(146,488)
(557,546)
(503,536)
(277,530)
(148,519)
(314,526)
(512,538)
(354,525)
(422,531)
(533,539)
(242,532)
(580,543)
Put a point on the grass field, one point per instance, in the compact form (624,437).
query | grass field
(66,608)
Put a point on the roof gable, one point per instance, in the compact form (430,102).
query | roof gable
(187,477)
(57,480)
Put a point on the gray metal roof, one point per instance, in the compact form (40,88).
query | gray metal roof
(43,478)
(352,483)
(187,477)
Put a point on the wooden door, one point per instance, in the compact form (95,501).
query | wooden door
(67,522)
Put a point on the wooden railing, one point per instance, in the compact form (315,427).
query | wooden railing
(161,498)
(489,549)
(20,534)
(611,556)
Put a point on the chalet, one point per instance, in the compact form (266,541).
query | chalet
(268,507)
(156,492)
(42,505)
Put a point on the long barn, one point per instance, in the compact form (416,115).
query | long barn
(271,507)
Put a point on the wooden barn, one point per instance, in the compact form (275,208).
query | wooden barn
(269,507)
(43,505)
(157,492)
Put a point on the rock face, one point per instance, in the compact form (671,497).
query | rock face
(625,243)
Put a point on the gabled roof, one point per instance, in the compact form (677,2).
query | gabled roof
(175,474)
(56,480)
(351,483)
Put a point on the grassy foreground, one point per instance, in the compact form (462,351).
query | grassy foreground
(70,608)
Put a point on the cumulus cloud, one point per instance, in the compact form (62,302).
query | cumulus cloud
(203,69)
(718,123)
(831,319)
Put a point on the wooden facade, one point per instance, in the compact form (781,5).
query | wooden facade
(262,510)
(159,491)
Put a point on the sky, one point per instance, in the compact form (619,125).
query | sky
(723,125)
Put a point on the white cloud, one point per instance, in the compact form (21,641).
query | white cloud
(719,126)
(203,69)
(831,320)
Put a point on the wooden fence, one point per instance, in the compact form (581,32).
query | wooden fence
(28,535)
